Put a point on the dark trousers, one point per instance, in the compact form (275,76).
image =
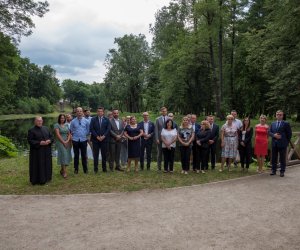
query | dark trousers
(97,146)
(146,145)
(168,158)
(114,154)
(82,147)
(245,155)
(159,155)
(195,155)
(202,162)
(185,153)
(212,155)
(282,158)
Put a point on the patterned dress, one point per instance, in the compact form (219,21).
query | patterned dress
(261,140)
(230,141)
(63,153)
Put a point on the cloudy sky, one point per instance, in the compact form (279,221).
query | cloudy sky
(75,35)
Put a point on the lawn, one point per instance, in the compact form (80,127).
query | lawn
(14,179)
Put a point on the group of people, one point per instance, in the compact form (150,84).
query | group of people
(123,141)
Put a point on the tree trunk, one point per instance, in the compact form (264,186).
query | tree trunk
(221,49)
(232,93)
(216,83)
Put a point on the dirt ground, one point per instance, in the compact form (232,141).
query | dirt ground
(258,212)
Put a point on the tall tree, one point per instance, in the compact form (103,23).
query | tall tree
(9,63)
(127,65)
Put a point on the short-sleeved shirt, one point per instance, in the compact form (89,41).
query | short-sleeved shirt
(185,134)
(80,129)
(169,136)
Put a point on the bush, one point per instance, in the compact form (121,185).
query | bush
(33,106)
(7,148)
(44,106)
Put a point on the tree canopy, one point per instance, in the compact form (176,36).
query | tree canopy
(16,16)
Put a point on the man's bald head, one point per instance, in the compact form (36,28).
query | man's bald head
(38,121)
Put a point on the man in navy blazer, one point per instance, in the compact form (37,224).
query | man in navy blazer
(100,129)
(148,128)
(281,134)
(196,128)
(213,140)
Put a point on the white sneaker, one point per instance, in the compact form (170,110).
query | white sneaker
(203,172)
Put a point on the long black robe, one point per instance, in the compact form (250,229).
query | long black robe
(40,157)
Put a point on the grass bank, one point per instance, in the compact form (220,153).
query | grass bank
(14,179)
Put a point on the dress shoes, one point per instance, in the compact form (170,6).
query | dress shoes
(75,171)
(119,169)
(281,174)
(273,173)
(96,171)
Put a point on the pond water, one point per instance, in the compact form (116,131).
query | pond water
(17,131)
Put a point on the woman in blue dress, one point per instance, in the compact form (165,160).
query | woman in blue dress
(133,132)
(63,144)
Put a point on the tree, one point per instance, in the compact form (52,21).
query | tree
(127,65)
(76,91)
(9,63)
(16,16)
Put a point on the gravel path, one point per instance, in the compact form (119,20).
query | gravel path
(258,212)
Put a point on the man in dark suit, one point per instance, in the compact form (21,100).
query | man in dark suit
(213,140)
(116,138)
(147,140)
(196,128)
(100,130)
(281,134)
(159,125)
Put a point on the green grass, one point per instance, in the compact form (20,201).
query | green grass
(14,179)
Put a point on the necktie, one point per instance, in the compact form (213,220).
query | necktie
(100,121)
(164,120)
(278,125)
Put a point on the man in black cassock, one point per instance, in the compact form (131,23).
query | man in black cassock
(40,157)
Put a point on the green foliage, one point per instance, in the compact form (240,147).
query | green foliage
(16,16)
(9,62)
(127,65)
(7,148)
(34,105)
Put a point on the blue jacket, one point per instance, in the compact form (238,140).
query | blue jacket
(97,131)
(284,130)
(151,130)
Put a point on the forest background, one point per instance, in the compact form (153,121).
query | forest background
(207,57)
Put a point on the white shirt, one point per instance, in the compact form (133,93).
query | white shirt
(237,123)
(169,136)
(146,127)
(117,121)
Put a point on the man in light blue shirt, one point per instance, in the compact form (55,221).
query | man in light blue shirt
(80,130)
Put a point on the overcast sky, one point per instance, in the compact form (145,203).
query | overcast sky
(75,35)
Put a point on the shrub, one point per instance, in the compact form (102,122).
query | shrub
(44,106)
(7,148)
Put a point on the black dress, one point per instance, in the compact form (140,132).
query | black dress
(40,157)
(134,147)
